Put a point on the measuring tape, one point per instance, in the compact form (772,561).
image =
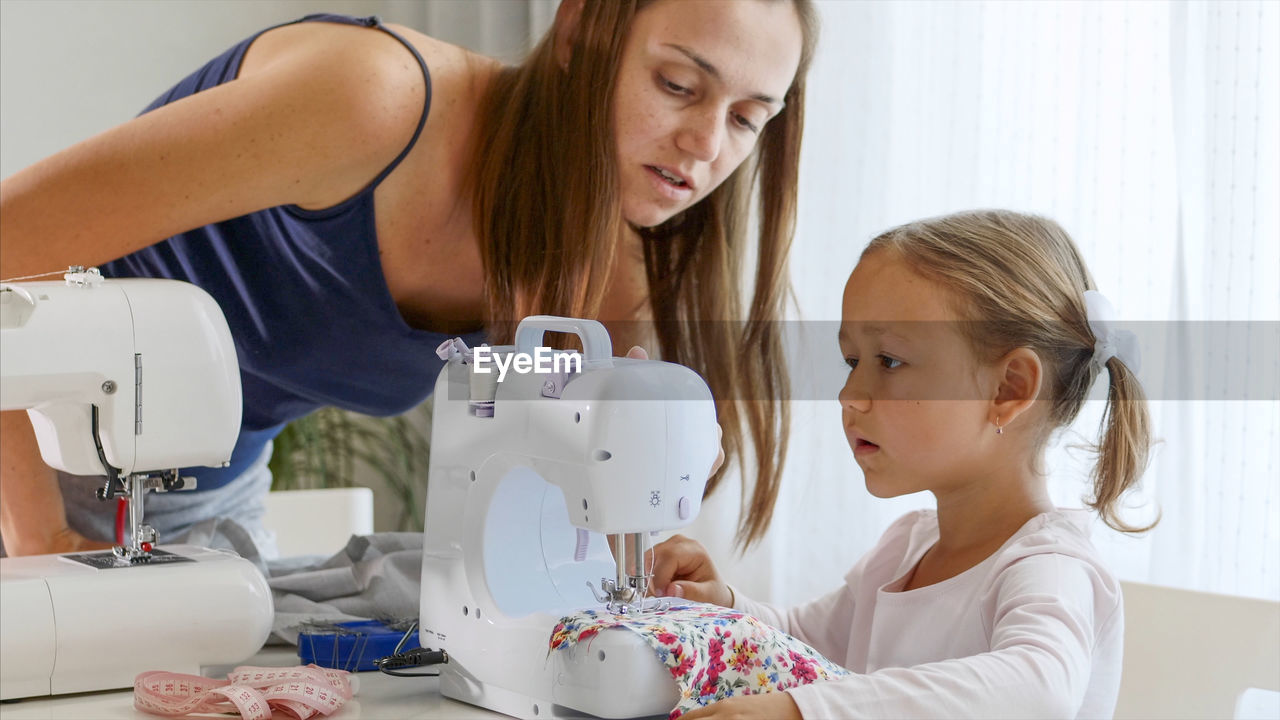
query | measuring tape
(254,692)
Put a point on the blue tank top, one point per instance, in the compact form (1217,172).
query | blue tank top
(303,292)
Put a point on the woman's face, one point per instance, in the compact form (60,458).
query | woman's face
(697,82)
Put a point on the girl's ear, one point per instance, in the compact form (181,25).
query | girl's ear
(1019,375)
(568,16)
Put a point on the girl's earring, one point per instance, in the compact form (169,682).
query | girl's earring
(999,430)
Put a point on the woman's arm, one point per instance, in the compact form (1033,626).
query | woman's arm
(32,518)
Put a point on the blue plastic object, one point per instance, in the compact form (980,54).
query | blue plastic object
(351,646)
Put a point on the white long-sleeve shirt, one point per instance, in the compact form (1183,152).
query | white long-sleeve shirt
(1035,630)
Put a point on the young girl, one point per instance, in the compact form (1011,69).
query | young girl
(969,340)
(353,193)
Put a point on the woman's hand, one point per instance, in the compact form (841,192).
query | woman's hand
(57,542)
(639,353)
(769,706)
(70,541)
(682,568)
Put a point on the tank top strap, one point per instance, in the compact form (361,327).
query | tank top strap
(374,21)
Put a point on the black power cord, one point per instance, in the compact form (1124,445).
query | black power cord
(417,657)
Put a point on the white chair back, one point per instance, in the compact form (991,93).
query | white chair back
(320,521)
(1192,654)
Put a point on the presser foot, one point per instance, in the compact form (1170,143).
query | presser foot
(131,489)
(628,598)
(139,549)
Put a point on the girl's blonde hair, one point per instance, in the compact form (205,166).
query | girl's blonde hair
(547,216)
(1021,281)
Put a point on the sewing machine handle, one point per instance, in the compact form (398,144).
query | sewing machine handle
(596,344)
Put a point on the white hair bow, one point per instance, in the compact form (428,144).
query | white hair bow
(1110,340)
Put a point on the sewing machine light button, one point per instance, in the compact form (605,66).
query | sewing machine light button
(682,508)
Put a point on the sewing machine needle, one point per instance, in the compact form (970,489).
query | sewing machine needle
(620,554)
(637,549)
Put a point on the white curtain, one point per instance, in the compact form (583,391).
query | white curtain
(1149,131)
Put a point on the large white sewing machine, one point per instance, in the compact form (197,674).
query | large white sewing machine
(127,379)
(527,478)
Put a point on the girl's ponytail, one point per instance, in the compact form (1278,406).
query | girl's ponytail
(1123,448)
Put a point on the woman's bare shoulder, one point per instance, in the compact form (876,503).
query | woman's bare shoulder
(372,74)
(445,58)
(368,58)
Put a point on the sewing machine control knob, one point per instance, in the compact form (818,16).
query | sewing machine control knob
(682,508)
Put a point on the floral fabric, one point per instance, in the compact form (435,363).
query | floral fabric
(712,652)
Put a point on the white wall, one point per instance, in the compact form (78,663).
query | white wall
(72,68)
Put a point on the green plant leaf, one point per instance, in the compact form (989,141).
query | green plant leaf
(326,448)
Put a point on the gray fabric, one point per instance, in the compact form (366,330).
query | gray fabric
(375,576)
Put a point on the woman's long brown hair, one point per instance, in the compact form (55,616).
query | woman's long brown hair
(548,220)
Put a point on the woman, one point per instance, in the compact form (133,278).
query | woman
(351,193)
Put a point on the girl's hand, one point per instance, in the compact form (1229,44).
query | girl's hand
(682,568)
(639,353)
(769,706)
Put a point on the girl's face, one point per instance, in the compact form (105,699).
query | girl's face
(915,404)
(696,84)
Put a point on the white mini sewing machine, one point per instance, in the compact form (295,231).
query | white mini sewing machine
(525,481)
(78,356)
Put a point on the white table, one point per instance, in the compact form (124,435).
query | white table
(378,696)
